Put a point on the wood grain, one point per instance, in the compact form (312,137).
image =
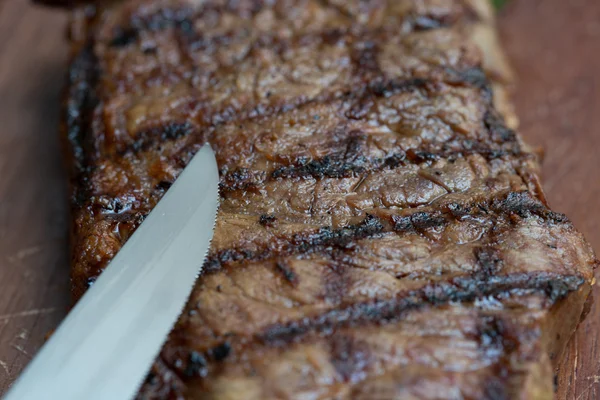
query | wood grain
(553,45)
(33,213)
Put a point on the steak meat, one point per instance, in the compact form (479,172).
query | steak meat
(382,231)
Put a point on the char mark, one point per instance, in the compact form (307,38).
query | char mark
(267,220)
(326,239)
(81,100)
(496,388)
(489,261)
(196,365)
(346,163)
(463,289)
(335,165)
(287,272)
(220,352)
(365,60)
(155,135)
(385,88)
(180,18)
(525,205)
(352,159)
(496,339)
(183,17)
(241,179)
(374,86)
(123,37)
(418,221)
(475,76)
(304,243)
(349,357)
(522,204)
(152,137)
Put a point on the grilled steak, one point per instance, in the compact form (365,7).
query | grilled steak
(382,231)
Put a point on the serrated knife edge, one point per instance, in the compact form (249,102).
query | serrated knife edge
(107,343)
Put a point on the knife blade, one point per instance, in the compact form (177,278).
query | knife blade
(107,343)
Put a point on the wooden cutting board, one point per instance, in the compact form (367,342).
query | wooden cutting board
(554,48)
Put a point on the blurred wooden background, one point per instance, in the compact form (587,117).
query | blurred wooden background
(553,44)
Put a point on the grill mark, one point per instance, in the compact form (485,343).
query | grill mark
(367,76)
(124,37)
(525,205)
(161,134)
(81,99)
(429,22)
(462,289)
(287,272)
(489,261)
(521,204)
(365,60)
(475,76)
(495,340)
(267,220)
(241,178)
(210,120)
(419,221)
(338,166)
(335,165)
(220,352)
(496,389)
(344,164)
(493,336)
(350,356)
(371,84)
(129,33)
(279,45)
(228,114)
(350,162)
(303,243)
(183,17)
(83,77)
(162,379)
(384,88)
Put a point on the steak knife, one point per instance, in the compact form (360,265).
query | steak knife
(107,343)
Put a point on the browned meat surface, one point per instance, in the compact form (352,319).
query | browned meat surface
(382,231)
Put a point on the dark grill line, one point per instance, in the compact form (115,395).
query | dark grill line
(344,165)
(459,289)
(520,204)
(348,161)
(367,79)
(81,99)
(206,128)
(182,17)
(301,243)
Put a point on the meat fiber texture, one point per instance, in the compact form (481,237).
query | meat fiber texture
(382,231)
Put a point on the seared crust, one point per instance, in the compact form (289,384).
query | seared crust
(382,229)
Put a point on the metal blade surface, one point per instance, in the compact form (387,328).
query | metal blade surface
(107,343)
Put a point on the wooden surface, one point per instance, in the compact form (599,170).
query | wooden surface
(33,211)
(553,45)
